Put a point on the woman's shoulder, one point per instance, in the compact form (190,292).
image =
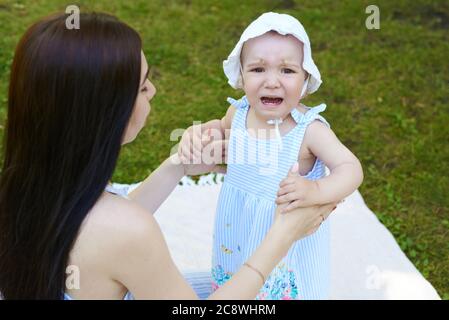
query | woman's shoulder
(115,236)
(115,219)
(113,226)
(114,206)
(132,248)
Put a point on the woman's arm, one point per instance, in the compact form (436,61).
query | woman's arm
(147,270)
(153,191)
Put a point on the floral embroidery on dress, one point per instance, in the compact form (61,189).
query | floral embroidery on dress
(219,277)
(280,285)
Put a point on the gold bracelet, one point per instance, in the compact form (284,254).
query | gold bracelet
(258,272)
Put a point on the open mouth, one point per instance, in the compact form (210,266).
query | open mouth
(271,101)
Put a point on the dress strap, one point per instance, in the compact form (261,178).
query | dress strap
(242,107)
(303,120)
(120,190)
(239,104)
(311,114)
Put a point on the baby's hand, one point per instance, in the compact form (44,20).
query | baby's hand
(297,191)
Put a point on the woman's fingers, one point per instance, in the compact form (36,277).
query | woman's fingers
(306,218)
(313,230)
(193,144)
(195,147)
(203,149)
(222,147)
(187,155)
(327,209)
(292,206)
(183,159)
(181,151)
(208,136)
(315,225)
(185,147)
(197,144)
(205,139)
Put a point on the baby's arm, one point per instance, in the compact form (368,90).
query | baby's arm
(345,177)
(346,173)
(223,124)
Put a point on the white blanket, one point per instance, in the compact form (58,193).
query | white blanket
(367,263)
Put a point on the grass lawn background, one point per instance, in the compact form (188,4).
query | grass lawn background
(386,92)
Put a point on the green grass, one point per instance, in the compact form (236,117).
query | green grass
(386,91)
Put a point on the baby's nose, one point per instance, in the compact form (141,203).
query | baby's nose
(272,81)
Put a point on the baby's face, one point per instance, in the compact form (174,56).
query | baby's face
(273,76)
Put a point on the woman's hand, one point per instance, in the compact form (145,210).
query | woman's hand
(191,144)
(202,151)
(213,158)
(302,222)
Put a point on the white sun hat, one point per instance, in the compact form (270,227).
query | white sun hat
(283,24)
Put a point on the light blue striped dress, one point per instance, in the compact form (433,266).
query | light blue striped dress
(246,207)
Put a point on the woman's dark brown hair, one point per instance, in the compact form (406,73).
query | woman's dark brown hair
(71,95)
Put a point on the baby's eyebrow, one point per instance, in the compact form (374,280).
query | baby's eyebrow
(258,62)
(289,63)
(284,63)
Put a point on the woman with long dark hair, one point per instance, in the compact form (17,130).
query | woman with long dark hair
(75,97)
